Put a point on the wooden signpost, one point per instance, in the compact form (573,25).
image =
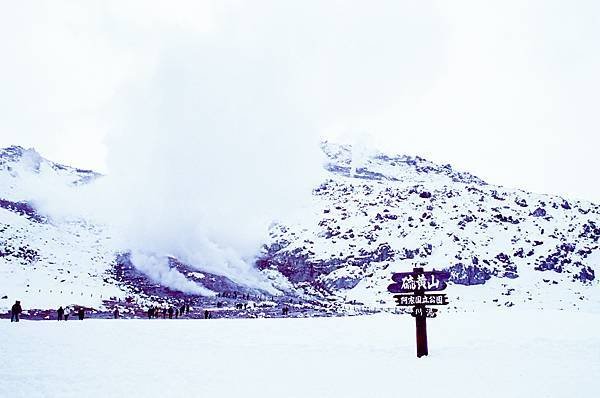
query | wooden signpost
(412,287)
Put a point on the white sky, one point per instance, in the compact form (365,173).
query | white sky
(506,90)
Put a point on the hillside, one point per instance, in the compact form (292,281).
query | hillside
(389,214)
(370,218)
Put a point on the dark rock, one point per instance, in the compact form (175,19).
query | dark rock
(468,275)
(521,202)
(539,212)
(22,209)
(586,274)
(503,258)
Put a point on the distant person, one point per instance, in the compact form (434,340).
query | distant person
(81,313)
(15,311)
(182,310)
(150,312)
(164,312)
(116,313)
(171,312)
(60,312)
(187,308)
(67,313)
(176,313)
(206,313)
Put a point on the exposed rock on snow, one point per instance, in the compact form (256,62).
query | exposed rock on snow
(367,221)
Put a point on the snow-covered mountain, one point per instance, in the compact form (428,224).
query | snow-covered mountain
(389,214)
(370,218)
(47,264)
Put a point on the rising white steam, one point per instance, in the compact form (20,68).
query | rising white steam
(157,268)
(211,112)
(203,156)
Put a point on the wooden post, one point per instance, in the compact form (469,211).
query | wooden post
(421,323)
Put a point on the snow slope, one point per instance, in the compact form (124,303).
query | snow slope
(389,214)
(486,354)
(44,263)
(373,216)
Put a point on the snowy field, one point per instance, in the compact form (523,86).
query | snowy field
(492,354)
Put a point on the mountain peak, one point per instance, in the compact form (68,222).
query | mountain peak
(359,162)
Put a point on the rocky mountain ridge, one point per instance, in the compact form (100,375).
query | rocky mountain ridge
(371,217)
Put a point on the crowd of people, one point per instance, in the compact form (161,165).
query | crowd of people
(156,312)
(62,314)
(173,312)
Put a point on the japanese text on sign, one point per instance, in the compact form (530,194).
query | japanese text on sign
(407,282)
(433,299)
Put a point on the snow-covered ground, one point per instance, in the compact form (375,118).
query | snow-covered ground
(510,353)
